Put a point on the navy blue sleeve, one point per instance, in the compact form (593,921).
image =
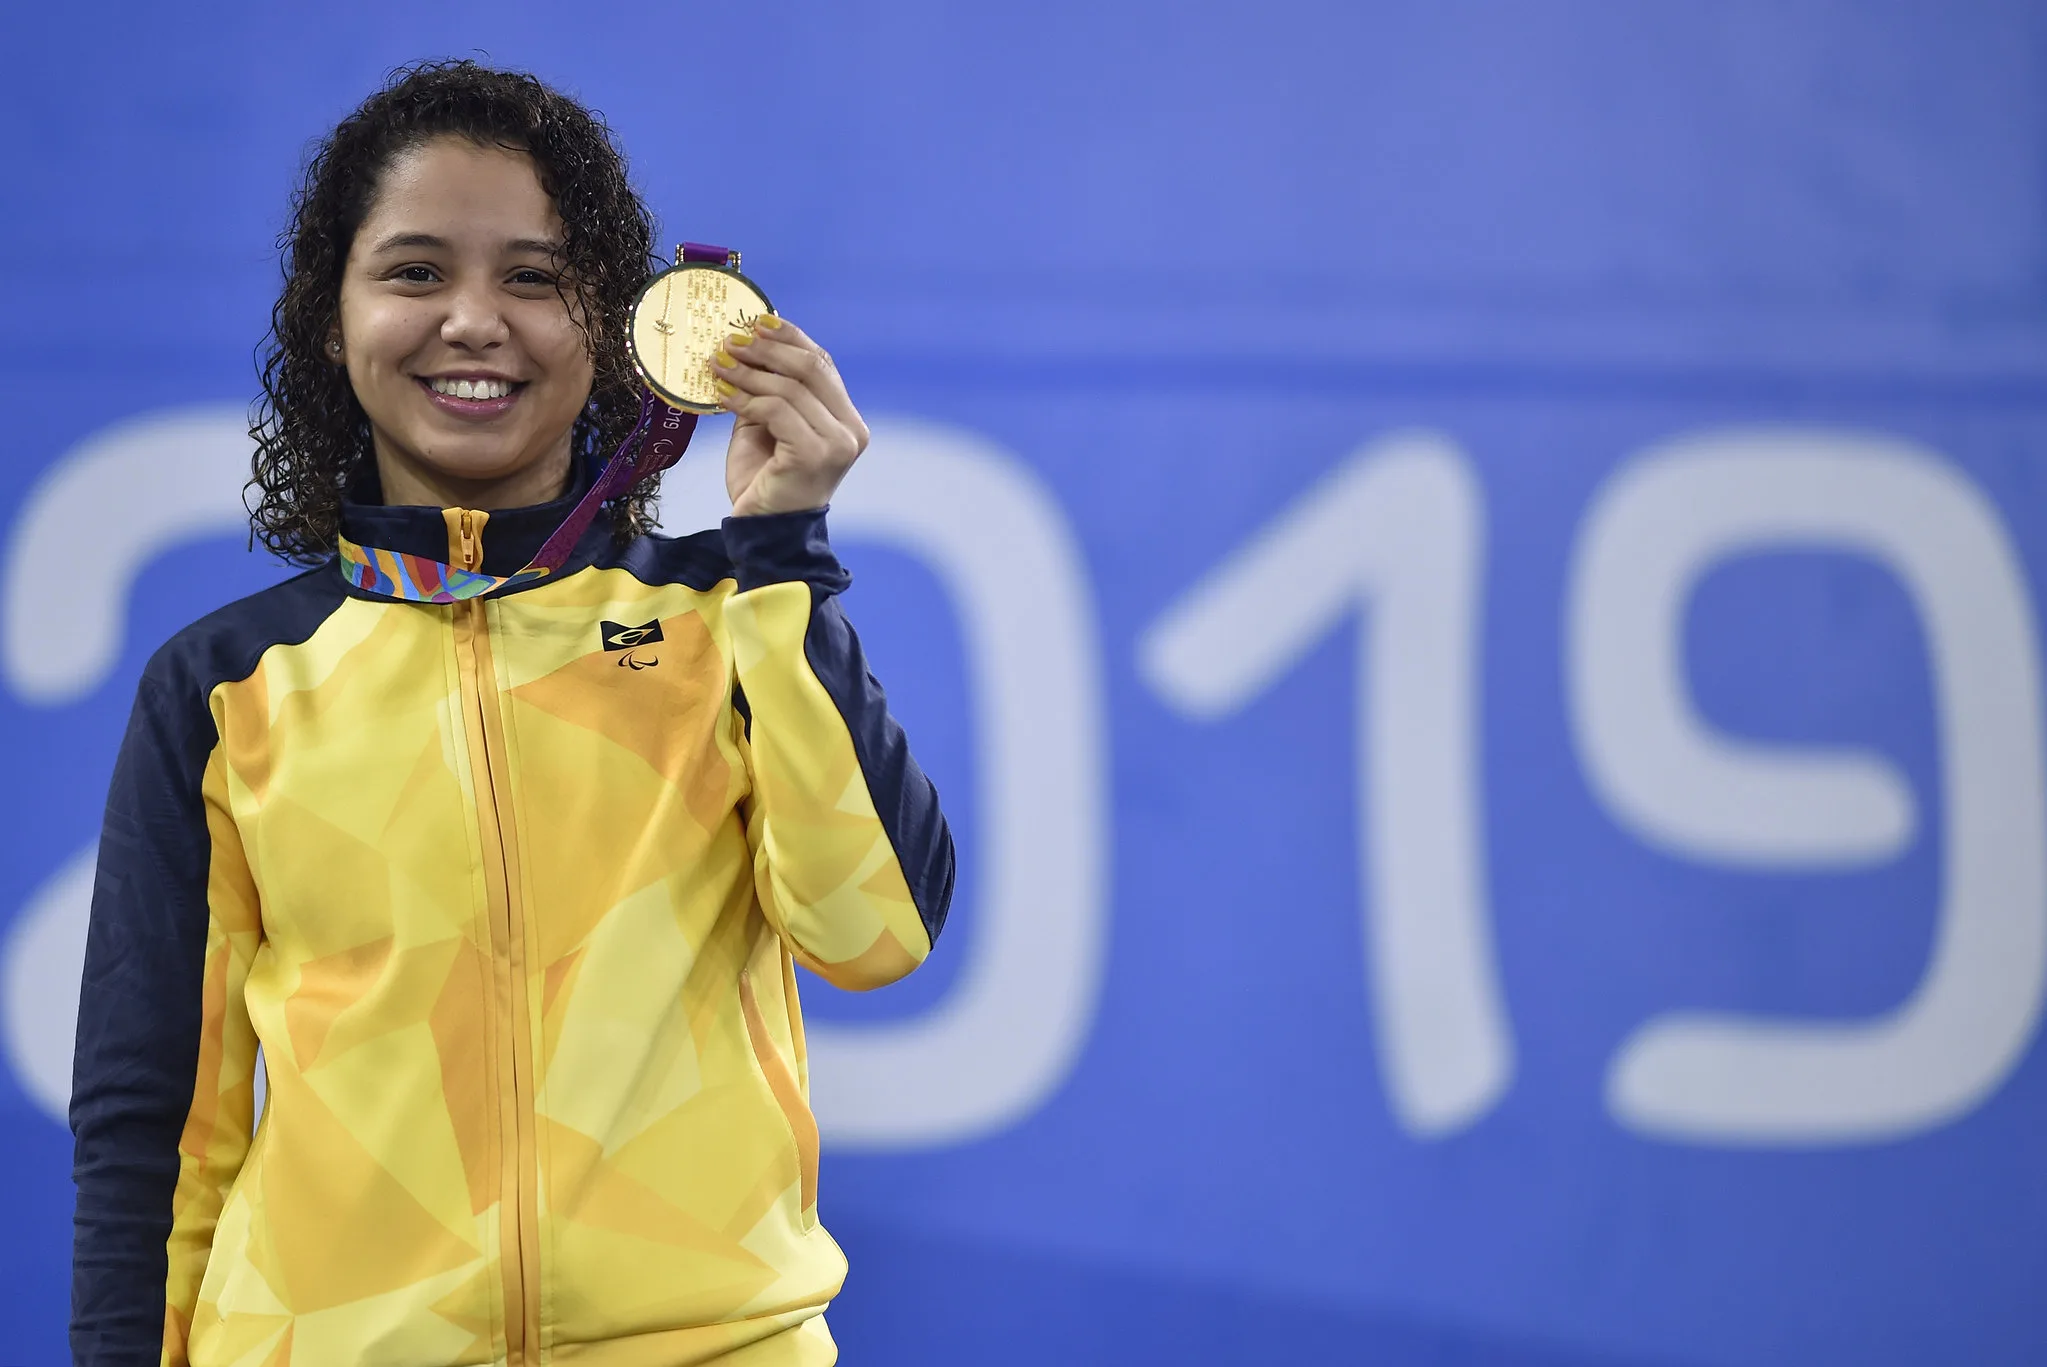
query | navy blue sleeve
(139,1012)
(782,548)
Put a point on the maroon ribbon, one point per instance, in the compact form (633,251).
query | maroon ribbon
(656,442)
(659,438)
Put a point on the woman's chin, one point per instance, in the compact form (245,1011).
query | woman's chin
(487,478)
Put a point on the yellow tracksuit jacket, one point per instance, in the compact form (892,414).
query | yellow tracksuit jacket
(509,892)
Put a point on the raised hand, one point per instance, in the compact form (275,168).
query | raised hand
(796,432)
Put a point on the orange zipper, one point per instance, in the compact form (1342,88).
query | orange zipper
(471,551)
(518,1180)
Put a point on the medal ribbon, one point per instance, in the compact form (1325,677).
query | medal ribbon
(656,442)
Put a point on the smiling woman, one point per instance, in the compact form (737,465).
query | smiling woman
(509,883)
(485,216)
(455,334)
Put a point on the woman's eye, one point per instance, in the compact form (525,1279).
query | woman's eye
(415,275)
(533,277)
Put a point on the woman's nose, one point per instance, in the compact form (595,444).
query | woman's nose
(474,319)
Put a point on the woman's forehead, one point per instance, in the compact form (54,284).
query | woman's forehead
(464,195)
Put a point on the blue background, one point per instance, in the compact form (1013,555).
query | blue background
(1181,260)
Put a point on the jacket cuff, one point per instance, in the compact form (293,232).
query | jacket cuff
(784,548)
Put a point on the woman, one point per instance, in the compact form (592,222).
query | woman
(509,889)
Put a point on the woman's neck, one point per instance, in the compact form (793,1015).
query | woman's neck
(412,483)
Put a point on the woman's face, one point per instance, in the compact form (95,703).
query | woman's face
(456,339)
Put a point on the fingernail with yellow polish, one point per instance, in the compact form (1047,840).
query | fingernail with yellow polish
(725,358)
(724,387)
(768,321)
(739,339)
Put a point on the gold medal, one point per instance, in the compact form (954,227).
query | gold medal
(682,319)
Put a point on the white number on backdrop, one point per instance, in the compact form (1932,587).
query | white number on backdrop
(45,950)
(149,484)
(143,486)
(1397,532)
(1012,1027)
(1654,531)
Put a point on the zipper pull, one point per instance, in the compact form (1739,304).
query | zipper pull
(469,547)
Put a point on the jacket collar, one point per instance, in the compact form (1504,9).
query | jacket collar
(511,536)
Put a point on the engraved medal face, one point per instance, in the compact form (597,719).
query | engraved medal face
(681,320)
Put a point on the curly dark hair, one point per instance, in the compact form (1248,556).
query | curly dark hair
(312,436)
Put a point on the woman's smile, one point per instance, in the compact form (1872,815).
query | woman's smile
(472,398)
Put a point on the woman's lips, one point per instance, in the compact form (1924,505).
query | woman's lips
(476,410)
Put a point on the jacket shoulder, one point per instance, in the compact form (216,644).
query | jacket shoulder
(226,644)
(699,560)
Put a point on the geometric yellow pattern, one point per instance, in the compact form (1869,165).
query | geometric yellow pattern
(515,928)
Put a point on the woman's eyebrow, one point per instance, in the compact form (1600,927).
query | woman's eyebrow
(397,240)
(538,245)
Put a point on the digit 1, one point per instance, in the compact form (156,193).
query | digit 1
(1397,531)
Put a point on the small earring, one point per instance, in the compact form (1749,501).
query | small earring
(334,349)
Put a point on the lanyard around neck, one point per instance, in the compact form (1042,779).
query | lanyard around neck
(656,442)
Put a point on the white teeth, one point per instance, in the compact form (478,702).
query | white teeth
(472,389)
